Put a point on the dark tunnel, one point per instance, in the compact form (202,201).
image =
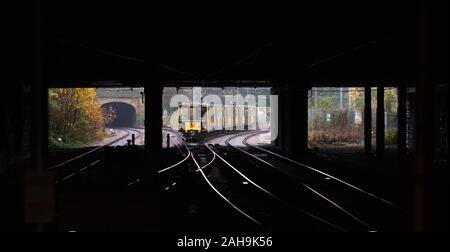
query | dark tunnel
(125,114)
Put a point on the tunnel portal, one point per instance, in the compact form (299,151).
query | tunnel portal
(125,114)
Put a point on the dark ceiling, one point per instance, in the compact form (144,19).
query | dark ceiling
(324,41)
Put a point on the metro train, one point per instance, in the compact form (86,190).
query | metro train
(211,118)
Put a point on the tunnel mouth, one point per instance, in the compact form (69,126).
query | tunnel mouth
(125,115)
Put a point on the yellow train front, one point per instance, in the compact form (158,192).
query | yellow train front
(186,114)
(193,126)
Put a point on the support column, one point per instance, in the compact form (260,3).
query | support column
(380,121)
(153,128)
(296,119)
(368,120)
(424,119)
(401,118)
(39,120)
(39,194)
(278,142)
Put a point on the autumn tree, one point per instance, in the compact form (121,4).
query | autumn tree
(76,116)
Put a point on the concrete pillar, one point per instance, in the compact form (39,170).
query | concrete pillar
(39,134)
(368,120)
(153,127)
(18,119)
(298,119)
(39,120)
(424,117)
(401,120)
(380,121)
(293,119)
(280,92)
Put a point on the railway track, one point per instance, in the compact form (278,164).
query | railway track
(139,137)
(238,195)
(255,202)
(96,197)
(169,176)
(245,186)
(191,204)
(89,159)
(316,171)
(186,154)
(337,199)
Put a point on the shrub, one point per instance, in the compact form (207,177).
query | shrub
(335,137)
(390,137)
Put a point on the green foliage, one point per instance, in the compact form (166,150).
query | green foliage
(75,118)
(390,137)
(390,100)
(357,97)
(325,103)
(342,129)
(335,137)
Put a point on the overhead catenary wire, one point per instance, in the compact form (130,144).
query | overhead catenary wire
(239,62)
(117,55)
(179,72)
(101,51)
(341,54)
